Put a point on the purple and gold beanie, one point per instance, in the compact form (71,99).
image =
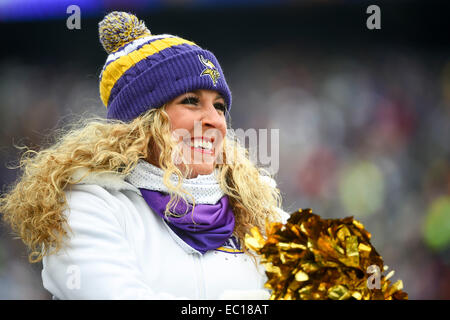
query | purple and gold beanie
(144,71)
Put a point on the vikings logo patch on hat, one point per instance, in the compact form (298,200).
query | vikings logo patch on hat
(210,70)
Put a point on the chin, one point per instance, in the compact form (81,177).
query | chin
(201,169)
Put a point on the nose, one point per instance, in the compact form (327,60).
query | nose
(211,117)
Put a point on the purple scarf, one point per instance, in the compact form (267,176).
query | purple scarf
(214,223)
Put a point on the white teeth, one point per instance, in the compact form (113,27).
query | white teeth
(201,144)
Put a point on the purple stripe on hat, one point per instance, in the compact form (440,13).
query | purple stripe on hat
(143,65)
(164,81)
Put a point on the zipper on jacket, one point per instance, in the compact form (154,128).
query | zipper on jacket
(200,275)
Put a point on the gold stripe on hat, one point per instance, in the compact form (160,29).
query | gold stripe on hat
(117,68)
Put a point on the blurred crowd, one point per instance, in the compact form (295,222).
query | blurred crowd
(362,133)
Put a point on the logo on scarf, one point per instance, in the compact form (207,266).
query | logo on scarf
(210,70)
(232,245)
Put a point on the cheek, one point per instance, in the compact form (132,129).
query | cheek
(177,120)
(181,124)
(222,130)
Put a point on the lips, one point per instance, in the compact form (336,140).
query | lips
(202,144)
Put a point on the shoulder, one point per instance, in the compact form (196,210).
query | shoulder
(103,196)
(102,187)
(85,195)
(107,180)
(89,203)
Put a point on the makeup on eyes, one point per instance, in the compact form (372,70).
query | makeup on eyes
(195,100)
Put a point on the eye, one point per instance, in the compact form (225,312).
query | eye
(220,106)
(190,100)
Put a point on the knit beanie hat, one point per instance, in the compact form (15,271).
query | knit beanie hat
(144,71)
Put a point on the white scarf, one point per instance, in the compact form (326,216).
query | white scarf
(204,188)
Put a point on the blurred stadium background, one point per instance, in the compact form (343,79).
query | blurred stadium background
(364,115)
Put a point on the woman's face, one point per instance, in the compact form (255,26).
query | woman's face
(198,124)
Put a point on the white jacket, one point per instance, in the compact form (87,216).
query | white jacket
(121,249)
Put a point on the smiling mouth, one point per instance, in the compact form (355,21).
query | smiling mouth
(202,145)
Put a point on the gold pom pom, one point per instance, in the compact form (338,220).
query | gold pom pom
(310,258)
(119,28)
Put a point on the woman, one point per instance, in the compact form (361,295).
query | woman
(153,202)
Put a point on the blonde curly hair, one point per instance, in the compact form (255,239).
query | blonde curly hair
(34,205)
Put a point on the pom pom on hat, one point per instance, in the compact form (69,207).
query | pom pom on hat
(119,28)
